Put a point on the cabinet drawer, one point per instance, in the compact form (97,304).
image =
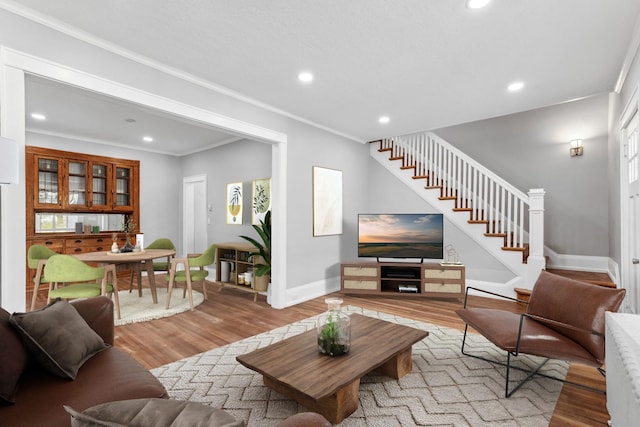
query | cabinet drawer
(53,244)
(443,274)
(359,271)
(360,284)
(82,245)
(443,287)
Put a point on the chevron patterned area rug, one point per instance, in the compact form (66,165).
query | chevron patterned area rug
(444,388)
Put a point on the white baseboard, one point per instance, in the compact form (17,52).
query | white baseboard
(312,290)
(596,264)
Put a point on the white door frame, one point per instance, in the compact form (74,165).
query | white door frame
(630,110)
(14,64)
(187,206)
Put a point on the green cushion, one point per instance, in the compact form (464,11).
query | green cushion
(161,266)
(58,338)
(206,258)
(196,275)
(162,243)
(79,290)
(36,253)
(67,269)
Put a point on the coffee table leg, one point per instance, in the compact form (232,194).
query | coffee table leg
(398,366)
(334,408)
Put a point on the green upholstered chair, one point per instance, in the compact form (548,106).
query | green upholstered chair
(194,271)
(80,279)
(161,243)
(37,257)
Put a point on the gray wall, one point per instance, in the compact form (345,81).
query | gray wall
(241,161)
(310,258)
(387,194)
(531,150)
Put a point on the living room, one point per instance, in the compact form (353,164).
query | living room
(286,148)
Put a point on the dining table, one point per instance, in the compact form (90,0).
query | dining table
(131,261)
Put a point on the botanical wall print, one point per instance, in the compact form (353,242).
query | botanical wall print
(234,203)
(260,199)
(327,201)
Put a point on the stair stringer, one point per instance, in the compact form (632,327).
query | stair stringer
(525,274)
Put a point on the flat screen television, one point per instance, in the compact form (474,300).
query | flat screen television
(400,236)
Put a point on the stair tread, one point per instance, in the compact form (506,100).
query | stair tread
(448,192)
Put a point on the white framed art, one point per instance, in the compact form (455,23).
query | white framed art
(327,201)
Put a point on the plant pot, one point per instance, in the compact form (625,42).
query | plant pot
(128,247)
(261,283)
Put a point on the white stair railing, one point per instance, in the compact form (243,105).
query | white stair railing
(487,197)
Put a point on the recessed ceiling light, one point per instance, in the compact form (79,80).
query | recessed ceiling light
(515,86)
(384,119)
(147,139)
(38,116)
(129,120)
(477,4)
(305,77)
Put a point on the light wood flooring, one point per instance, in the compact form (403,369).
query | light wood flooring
(231,315)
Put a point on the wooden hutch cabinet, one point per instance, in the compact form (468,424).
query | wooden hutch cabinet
(67,181)
(62,182)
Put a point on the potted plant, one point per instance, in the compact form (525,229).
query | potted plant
(263,250)
(334,330)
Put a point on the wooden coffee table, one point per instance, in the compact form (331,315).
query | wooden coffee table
(329,385)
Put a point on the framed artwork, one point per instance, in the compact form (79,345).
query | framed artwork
(327,201)
(260,199)
(234,203)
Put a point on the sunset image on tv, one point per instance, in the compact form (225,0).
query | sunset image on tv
(400,236)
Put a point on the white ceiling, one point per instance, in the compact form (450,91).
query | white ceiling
(80,114)
(425,64)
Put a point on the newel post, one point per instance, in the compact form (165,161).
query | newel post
(536,229)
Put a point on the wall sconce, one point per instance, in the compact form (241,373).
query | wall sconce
(576,148)
(8,161)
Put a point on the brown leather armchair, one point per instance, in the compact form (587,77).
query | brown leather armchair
(564,320)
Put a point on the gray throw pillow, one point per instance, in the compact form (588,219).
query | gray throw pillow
(58,338)
(152,412)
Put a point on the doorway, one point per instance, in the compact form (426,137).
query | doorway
(194,214)
(630,135)
(13,67)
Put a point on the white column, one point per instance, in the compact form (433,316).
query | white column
(536,259)
(13,200)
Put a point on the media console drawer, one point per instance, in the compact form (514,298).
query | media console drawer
(443,274)
(360,284)
(443,287)
(359,271)
(403,279)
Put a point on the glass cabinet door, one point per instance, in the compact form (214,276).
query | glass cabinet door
(48,184)
(123,187)
(77,176)
(99,185)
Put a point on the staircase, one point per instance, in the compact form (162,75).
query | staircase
(503,220)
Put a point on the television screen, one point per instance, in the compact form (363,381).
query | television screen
(400,236)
